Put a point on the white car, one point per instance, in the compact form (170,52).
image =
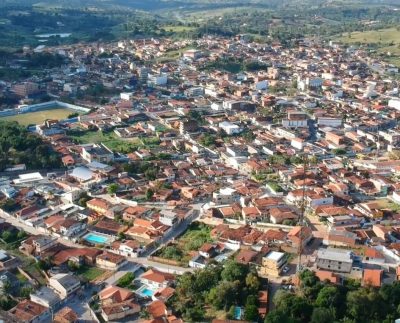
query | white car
(285,269)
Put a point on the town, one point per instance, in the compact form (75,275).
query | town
(198,180)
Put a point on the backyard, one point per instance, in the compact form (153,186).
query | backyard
(196,235)
(90,273)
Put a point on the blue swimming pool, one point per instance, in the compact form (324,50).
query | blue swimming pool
(144,291)
(147,292)
(95,238)
(238,313)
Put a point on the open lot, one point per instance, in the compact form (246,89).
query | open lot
(39,117)
(90,273)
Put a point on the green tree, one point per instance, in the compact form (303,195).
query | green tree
(112,188)
(322,315)
(6,236)
(328,296)
(26,291)
(251,313)
(278,316)
(234,271)
(149,194)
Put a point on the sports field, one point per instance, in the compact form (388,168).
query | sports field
(39,117)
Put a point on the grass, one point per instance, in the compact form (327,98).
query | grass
(388,204)
(35,273)
(385,40)
(112,141)
(90,273)
(39,117)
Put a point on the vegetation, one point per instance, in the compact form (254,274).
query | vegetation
(18,146)
(219,288)
(324,302)
(39,117)
(126,280)
(90,273)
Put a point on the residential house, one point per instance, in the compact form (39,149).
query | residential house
(114,294)
(30,312)
(66,315)
(335,260)
(110,261)
(118,311)
(64,284)
(156,279)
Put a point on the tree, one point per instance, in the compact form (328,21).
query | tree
(322,315)
(21,234)
(278,316)
(252,282)
(73,266)
(231,313)
(149,194)
(251,313)
(26,291)
(112,188)
(5,287)
(328,296)
(6,235)
(234,271)
(223,295)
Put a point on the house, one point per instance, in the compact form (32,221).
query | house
(335,260)
(110,261)
(114,294)
(64,284)
(246,256)
(156,279)
(66,315)
(7,261)
(30,312)
(45,296)
(300,236)
(99,205)
(341,238)
(35,245)
(273,263)
(118,311)
(157,309)
(127,248)
(207,250)
(97,152)
(372,277)
(328,275)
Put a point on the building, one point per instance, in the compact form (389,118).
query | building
(273,263)
(156,279)
(110,261)
(25,89)
(295,119)
(45,296)
(64,284)
(7,261)
(335,260)
(230,128)
(300,236)
(35,245)
(66,315)
(98,153)
(30,312)
(118,311)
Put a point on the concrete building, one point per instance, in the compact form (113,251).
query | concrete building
(273,263)
(335,260)
(64,284)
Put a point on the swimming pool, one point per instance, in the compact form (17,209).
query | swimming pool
(145,292)
(238,313)
(96,238)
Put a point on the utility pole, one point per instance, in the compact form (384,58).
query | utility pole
(302,212)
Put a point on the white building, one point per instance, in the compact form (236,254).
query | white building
(394,103)
(127,96)
(230,128)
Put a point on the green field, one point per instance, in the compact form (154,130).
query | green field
(385,40)
(90,273)
(39,117)
(178,29)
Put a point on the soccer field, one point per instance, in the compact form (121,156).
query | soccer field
(39,117)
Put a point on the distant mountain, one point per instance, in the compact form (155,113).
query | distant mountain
(160,5)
